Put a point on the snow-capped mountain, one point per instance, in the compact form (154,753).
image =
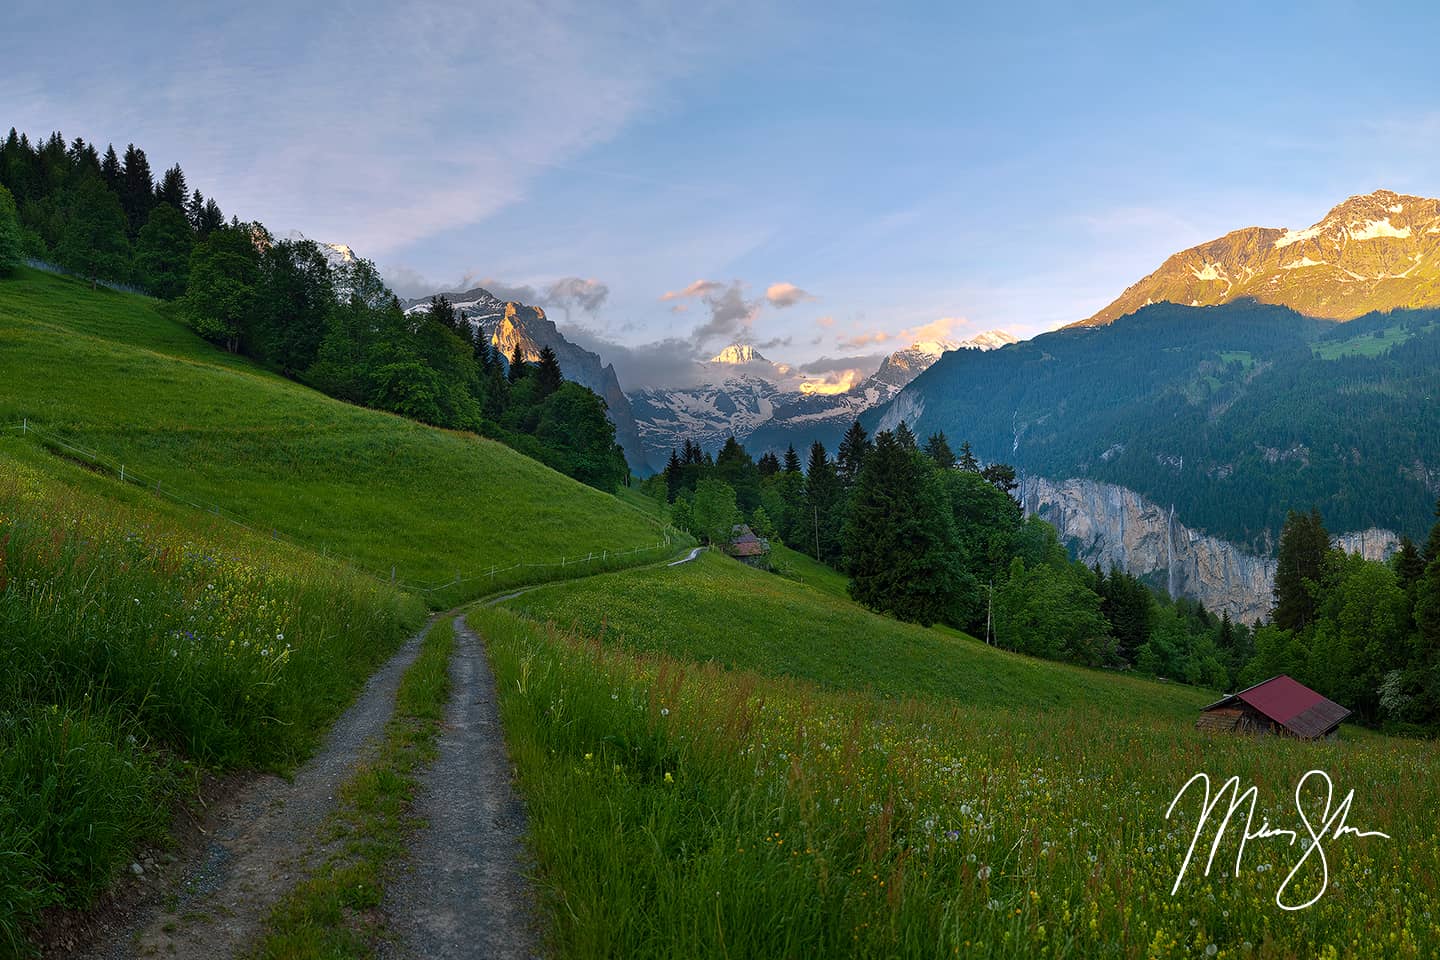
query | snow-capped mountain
(752,406)
(1375,251)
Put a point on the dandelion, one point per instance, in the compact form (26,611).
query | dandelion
(668,777)
(589,757)
(664,711)
(1211,950)
(983,873)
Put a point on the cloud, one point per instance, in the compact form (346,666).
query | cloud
(869,362)
(944,328)
(731,314)
(781,295)
(671,362)
(699,288)
(826,321)
(833,382)
(573,292)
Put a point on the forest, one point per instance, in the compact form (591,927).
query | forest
(290,304)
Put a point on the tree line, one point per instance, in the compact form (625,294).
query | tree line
(332,325)
(1364,633)
(929,535)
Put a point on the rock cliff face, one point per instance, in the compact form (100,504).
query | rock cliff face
(1109,524)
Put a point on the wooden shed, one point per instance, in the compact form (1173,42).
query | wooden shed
(1279,705)
(746,547)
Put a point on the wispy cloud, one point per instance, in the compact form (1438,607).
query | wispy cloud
(697,288)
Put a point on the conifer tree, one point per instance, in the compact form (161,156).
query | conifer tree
(547,372)
(517,364)
(110,169)
(937,448)
(967,461)
(672,476)
(768,465)
(1409,565)
(1304,544)
(822,518)
(1002,475)
(1432,544)
(172,189)
(899,540)
(481,341)
(851,455)
(137,188)
(792,460)
(905,437)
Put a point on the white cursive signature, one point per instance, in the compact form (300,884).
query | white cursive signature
(1332,826)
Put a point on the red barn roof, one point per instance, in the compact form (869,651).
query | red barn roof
(1291,704)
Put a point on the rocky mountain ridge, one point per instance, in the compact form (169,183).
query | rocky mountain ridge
(1107,524)
(1374,251)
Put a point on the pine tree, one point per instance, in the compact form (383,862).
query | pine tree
(211,219)
(195,210)
(905,437)
(937,448)
(899,540)
(967,461)
(768,465)
(517,364)
(442,312)
(1002,475)
(1304,544)
(547,372)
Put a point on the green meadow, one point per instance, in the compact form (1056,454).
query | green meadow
(117,374)
(720,762)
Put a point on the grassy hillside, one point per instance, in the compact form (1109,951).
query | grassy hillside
(719,809)
(143,644)
(114,373)
(717,610)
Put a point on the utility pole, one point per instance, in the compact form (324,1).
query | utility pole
(816,508)
(989,604)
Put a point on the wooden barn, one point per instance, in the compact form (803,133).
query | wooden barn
(746,547)
(1280,705)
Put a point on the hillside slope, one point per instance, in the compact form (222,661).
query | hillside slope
(116,374)
(1233,414)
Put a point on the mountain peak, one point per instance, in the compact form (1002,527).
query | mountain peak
(1374,251)
(738,353)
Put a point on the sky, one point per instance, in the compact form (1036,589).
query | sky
(826,181)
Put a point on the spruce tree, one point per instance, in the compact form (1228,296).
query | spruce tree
(110,169)
(137,188)
(822,518)
(1002,475)
(672,476)
(1432,544)
(905,437)
(517,364)
(481,342)
(967,461)
(1299,568)
(900,542)
(792,460)
(768,465)
(937,448)
(850,458)
(172,189)
(547,372)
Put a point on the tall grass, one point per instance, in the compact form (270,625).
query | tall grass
(684,810)
(139,647)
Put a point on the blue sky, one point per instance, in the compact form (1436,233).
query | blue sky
(907,169)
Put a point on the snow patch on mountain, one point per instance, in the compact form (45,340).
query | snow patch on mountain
(1374,229)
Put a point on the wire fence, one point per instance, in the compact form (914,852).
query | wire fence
(117,469)
(64,272)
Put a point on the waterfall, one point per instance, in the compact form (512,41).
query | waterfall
(1170,552)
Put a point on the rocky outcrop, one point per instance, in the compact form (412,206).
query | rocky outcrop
(1106,524)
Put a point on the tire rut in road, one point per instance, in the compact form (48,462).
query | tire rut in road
(463,892)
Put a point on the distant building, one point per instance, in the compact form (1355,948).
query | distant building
(748,548)
(1279,705)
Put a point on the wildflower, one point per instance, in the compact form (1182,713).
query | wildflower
(668,777)
(1211,950)
(279,636)
(589,757)
(664,711)
(983,873)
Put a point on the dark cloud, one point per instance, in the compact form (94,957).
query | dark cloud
(869,362)
(731,314)
(672,362)
(573,292)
